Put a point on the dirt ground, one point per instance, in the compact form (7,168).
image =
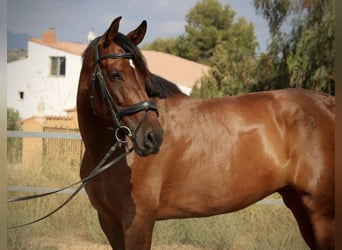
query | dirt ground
(81,244)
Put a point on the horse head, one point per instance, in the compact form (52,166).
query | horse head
(112,86)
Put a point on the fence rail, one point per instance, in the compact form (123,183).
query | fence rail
(63,135)
(40,190)
(45,135)
(60,144)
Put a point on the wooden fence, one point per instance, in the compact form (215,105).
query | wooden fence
(56,144)
(65,149)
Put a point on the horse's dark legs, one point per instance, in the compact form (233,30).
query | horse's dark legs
(113,231)
(139,235)
(317,228)
(294,202)
(322,217)
(324,228)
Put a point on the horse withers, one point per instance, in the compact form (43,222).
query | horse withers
(218,156)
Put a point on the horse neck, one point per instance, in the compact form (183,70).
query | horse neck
(172,100)
(97,133)
(165,105)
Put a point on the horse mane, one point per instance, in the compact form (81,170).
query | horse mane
(162,88)
(91,44)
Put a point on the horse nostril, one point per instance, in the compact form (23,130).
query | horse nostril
(151,138)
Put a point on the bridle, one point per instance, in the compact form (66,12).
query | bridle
(115,110)
(100,167)
(117,113)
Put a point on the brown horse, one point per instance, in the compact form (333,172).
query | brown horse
(218,156)
(112,94)
(110,99)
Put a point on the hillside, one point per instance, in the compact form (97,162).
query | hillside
(16,54)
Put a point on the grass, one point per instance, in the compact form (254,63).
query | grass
(77,218)
(256,227)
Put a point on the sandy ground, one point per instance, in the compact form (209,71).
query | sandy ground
(81,244)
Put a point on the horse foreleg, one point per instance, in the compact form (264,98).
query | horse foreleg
(113,230)
(294,202)
(316,225)
(324,228)
(321,209)
(138,236)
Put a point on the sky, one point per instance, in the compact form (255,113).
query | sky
(74,19)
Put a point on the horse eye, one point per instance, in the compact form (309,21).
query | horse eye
(115,76)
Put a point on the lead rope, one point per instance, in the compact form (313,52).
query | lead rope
(97,170)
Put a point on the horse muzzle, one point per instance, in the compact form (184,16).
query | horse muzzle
(146,134)
(148,141)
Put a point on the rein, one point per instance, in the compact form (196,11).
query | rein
(101,166)
(117,113)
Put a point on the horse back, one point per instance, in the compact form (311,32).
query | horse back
(264,141)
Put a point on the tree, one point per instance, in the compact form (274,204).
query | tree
(12,119)
(207,23)
(231,73)
(213,36)
(167,45)
(13,144)
(305,55)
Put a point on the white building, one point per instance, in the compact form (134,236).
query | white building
(45,83)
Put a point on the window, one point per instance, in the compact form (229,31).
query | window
(21,95)
(57,65)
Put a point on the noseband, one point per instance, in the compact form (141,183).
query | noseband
(115,110)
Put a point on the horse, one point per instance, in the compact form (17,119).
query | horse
(112,102)
(112,93)
(218,156)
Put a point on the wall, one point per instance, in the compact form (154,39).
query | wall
(32,76)
(32,148)
(38,152)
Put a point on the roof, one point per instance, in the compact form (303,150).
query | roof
(45,117)
(176,69)
(73,48)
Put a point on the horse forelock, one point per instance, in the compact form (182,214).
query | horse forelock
(156,86)
(128,46)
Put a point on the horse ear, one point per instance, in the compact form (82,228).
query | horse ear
(112,31)
(138,34)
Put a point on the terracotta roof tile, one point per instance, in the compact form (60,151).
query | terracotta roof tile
(73,48)
(173,68)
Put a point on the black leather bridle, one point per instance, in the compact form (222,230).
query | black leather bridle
(115,110)
(117,113)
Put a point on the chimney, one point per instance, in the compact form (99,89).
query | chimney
(49,35)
